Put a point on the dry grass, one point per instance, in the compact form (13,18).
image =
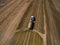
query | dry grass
(19,38)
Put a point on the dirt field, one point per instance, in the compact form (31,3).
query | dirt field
(15,16)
